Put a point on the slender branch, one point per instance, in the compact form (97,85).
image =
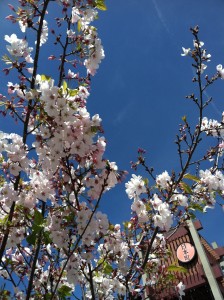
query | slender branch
(197,138)
(146,255)
(10,275)
(64,55)
(35,66)
(91,282)
(30,285)
(149,248)
(5,238)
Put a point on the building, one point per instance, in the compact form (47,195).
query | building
(204,262)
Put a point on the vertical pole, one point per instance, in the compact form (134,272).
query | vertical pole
(205,263)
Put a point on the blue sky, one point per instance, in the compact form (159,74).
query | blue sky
(140,88)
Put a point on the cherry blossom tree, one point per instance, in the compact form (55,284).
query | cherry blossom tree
(55,243)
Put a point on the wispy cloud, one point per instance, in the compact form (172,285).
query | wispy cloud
(212,103)
(215,108)
(123,114)
(160,16)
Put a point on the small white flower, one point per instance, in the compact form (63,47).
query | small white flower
(206,56)
(203,67)
(185,51)
(180,288)
(135,186)
(75,15)
(220,70)
(198,44)
(163,180)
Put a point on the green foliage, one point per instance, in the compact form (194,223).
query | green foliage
(38,296)
(175,268)
(79,25)
(2,180)
(4,294)
(146,181)
(45,77)
(196,206)
(65,85)
(100,4)
(73,92)
(184,186)
(184,118)
(38,225)
(106,267)
(46,237)
(94,129)
(192,215)
(4,220)
(191,177)
(64,291)
(7,59)
(126,224)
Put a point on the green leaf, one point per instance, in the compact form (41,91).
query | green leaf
(100,261)
(45,78)
(192,216)
(101,5)
(94,129)
(170,277)
(191,177)
(47,239)
(5,295)
(185,187)
(38,223)
(73,93)
(107,268)
(79,25)
(47,296)
(126,224)
(6,59)
(38,218)
(4,220)
(64,291)
(2,181)
(184,118)
(31,239)
(174,268)
(195,206)
(111,227)
(146,181)
(148,206)
(65,86)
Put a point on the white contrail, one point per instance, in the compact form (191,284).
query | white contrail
(214,106)
(122,114)
(160,16)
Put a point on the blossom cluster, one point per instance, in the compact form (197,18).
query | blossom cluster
(96,52)
(198,51)
(213,127)
(18,47)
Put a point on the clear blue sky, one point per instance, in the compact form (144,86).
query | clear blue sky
(140,88)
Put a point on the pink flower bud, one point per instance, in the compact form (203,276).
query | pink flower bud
(11,7)
(51,57)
